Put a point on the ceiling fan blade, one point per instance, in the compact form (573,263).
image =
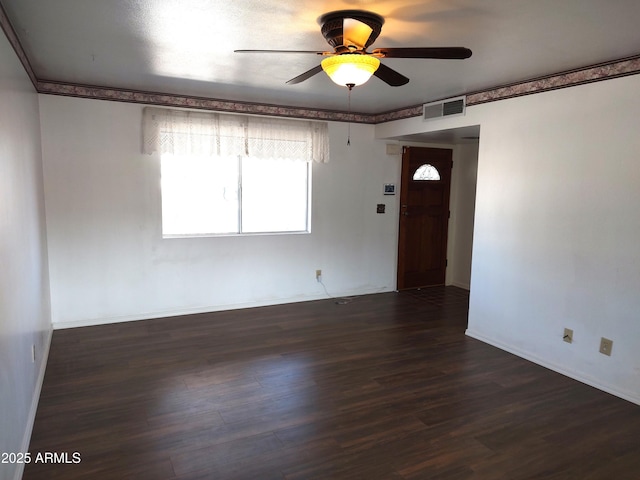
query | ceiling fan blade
(315,52)
(447,53)
(305,75)
(355,32)
(390,76)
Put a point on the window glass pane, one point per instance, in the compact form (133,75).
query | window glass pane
(274,195)
(199,195)
(426,172)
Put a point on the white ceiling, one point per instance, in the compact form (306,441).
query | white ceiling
(186,46)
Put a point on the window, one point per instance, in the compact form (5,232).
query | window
(426,172)
(234,174)
(204,195)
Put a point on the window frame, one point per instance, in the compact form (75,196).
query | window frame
(428,169)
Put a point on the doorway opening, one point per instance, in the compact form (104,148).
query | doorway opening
(464,144)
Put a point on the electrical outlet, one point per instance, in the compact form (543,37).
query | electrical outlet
(568,335)
(318,275)
(606,346)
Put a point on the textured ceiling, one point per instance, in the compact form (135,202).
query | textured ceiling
(186,47)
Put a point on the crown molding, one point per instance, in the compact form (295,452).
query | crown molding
(11,35)
(200,103)
(571,78)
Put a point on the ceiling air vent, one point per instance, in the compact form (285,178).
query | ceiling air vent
(444,108)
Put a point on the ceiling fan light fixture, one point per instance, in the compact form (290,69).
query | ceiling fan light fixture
(350,69)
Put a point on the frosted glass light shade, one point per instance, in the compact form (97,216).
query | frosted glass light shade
(349,69)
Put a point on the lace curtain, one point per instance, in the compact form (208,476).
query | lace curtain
(200,133)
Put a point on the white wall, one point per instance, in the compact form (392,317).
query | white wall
(462,206)
(108,260)
(24,284)
(556,228)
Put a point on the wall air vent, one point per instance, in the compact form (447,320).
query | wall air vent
(445,108)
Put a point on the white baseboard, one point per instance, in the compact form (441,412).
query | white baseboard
(465,286)
(26,438)
(210,309)
(579,376)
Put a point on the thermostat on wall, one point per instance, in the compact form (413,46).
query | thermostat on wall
(389,189)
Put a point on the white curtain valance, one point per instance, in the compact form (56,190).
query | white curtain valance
(183,132)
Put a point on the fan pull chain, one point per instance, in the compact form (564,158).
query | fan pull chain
(350,87)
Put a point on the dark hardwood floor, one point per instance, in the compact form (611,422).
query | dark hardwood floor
(384,387)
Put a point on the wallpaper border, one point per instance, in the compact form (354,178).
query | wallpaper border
(594,73)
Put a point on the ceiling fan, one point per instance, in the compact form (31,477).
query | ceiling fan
(350,33)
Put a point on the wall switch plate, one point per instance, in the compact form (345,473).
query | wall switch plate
(606,346)
(380,208)
(568,335)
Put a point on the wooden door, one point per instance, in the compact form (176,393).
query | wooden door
(424,216)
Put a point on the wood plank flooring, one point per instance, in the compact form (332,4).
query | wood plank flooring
(384,387)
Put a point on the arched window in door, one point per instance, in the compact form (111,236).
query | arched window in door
(426,172)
